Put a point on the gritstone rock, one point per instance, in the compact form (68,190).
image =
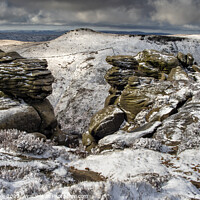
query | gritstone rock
(28,79)
(149,87)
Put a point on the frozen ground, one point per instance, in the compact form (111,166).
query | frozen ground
(140,173)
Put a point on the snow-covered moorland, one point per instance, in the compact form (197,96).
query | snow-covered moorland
(37,169)
(77,61)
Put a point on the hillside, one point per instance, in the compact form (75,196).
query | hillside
(77,61)
(138,109)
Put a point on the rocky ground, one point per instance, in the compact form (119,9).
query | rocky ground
(137,110)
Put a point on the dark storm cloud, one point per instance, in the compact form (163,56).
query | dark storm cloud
(79,4)
(124,13)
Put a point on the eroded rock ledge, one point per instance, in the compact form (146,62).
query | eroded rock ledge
(146,89)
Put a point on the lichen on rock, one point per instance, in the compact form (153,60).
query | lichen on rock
(157,60)
(147,88)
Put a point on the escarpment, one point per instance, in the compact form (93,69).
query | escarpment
(24,86)
(147,90)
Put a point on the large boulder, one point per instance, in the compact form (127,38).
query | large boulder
(133,99)
(106,122)
(24,78)
(18,115)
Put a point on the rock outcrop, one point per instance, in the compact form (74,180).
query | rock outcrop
(149,88)
(24,86)
(24,78)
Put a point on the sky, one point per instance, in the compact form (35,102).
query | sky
(169,16)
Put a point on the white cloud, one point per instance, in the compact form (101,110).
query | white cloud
(119,15)
(192,27)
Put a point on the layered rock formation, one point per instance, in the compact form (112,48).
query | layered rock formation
(24,86)
(148,88)
(24,78)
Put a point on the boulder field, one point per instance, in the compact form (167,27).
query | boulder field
(151,94)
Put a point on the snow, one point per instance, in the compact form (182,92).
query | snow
(123,165)
(192,36)
(77,60)
(127,138)
(80,56)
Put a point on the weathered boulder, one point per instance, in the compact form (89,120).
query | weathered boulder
(185,60)
(106,122)
(123,68)
(24,86)
(48,119)
(117,77)
(153,63)
(133,99)
(177,74)
(18,115)
(24,78)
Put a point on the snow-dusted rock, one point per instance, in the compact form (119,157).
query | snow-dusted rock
(123,68)
(18,115)
(24,86)
(142,100)
(123,139)
(106,122)
(178,74)
(153,59)
(81,57)
(182,129)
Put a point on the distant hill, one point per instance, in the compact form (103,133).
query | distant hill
(30,36)
(40,36)
(135,33)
